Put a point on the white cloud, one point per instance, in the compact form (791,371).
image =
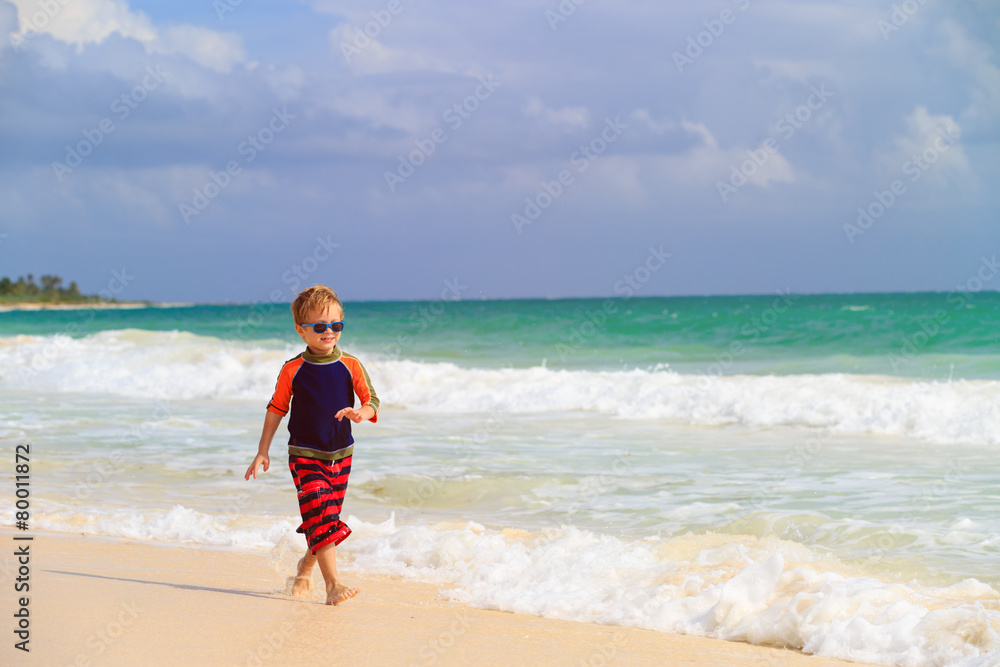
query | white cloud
(285,82)
(656,127)
(699,167)
(699,129)
(568,117)
(708,163)
(799,71)
(977,60)
(217,51)
(367,55)
(81,22)
(379,112)
(931,140)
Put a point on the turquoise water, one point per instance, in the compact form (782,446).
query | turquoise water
(926,335)
(839,448)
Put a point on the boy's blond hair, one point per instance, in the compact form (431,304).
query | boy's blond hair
(317,297)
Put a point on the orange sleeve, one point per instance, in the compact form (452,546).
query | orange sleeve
(363,386)
(282,397)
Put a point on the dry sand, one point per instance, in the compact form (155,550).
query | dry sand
(103,601)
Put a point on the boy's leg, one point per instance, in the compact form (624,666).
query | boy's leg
(336,592)
(302,584)
(321,487)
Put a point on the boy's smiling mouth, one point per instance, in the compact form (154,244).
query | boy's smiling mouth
(328,340)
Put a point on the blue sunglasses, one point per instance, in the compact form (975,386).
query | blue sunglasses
(320,327)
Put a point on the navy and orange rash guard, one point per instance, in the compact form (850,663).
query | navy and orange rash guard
(322,386)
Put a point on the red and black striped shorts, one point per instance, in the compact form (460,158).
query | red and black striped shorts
(321,486)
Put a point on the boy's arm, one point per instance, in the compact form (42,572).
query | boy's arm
(365,391)
(271,422)
(356,416)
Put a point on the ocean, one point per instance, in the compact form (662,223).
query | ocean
(810,471)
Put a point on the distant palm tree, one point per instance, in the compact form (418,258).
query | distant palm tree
(51,290)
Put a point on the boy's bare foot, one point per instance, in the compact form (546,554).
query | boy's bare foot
(341,593)
(302,581)
(301,586)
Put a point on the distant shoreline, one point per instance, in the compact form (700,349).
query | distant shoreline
(98,305)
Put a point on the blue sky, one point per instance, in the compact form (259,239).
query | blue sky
(524,149)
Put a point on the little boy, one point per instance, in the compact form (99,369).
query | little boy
(324,381)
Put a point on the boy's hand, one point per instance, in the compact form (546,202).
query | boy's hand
(352,414)
(258,461)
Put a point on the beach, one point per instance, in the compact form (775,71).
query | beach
(647,333)
(693,470)
(102,601)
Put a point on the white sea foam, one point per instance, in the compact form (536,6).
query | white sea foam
(739,588)
(178,365)
(958,411)
(762,591)
(179,525)
(155,364)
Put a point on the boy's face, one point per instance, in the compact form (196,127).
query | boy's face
(321,343)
